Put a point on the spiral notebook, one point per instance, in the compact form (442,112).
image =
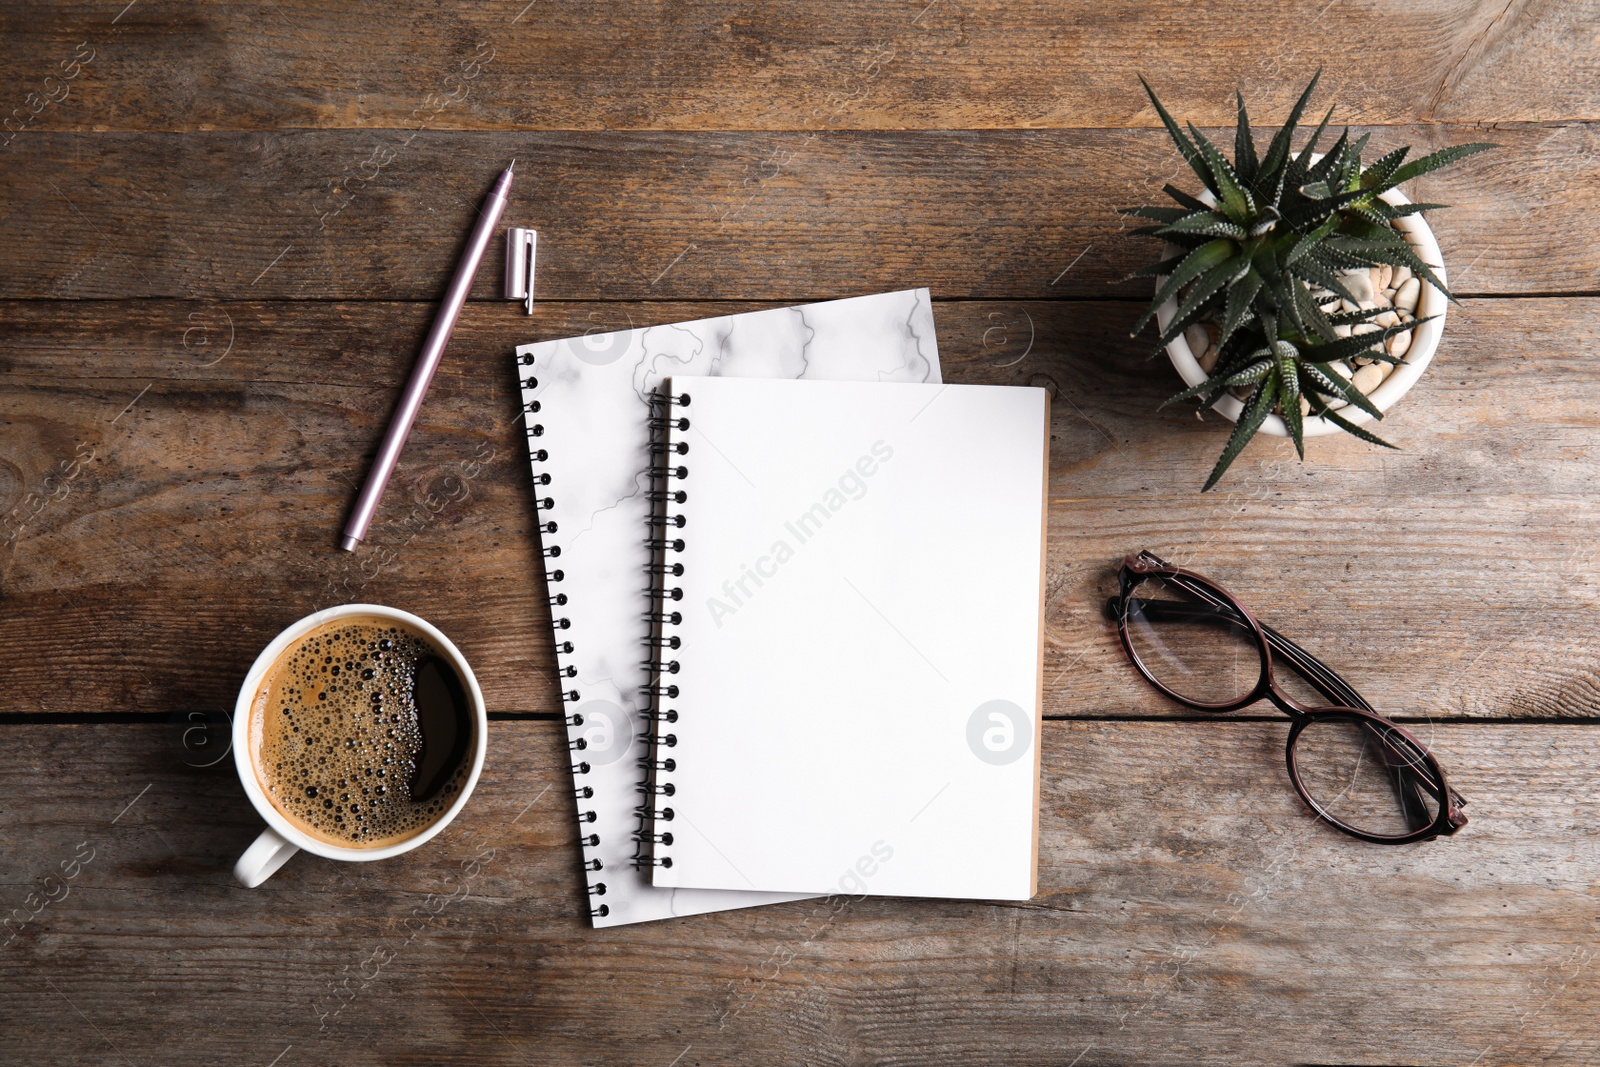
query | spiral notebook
(850,619)
(586,406)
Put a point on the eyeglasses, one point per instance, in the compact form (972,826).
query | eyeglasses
(1196,643)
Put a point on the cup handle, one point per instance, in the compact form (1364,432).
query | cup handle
(263,858)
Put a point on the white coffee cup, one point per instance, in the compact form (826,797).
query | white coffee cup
(281,839)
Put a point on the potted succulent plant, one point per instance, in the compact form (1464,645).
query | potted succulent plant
(1300,292)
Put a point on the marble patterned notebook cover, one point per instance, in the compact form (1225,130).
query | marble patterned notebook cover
(586,408)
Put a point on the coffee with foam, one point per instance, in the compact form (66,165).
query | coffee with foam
(361,732)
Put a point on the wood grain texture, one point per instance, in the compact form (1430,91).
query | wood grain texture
(1188,911)
(512,64)
(1453,578)
(647,216)
(222,230)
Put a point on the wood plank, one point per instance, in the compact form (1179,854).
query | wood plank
(1456,577)
(805,65)
(1189,910)
(777,216)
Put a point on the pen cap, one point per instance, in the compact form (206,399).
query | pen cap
(521,245)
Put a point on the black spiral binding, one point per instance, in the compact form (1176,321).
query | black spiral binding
(668,470)
(547,530)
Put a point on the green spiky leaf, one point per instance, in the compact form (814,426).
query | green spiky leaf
(1319,380)
(1396,211)
(1205,224)
(1289,396)
(1236,200)
(1164,215)
(1187,201)
(1185,148)
(1157,270)
(1244,145)
(1318,407)
(1214,385)
(1278,150)
(1374,177)
(1323,167)
(1241,295)
(1251,374)
(1356,344)
(1256,410)
(1434,160)
(1295,170)
(1345,389)
(1313,270)
(1196,263)
(1310,313)
(1197,300)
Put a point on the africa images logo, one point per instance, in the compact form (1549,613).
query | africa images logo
(999,732)
(598,348)
(608,731)
(852,485)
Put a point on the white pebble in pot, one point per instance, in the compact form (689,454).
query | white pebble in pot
(1408,295)
(1369,377)
(1359,283)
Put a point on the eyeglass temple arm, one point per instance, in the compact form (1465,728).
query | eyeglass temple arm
(1313,670)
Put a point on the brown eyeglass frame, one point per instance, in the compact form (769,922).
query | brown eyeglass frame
(1420,770)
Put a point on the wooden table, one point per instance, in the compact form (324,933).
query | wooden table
(222,235)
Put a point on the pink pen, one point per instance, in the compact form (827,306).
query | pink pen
(355,531)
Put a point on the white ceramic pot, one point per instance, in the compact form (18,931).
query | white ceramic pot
(1424,341)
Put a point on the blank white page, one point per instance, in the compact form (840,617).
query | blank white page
(858,670)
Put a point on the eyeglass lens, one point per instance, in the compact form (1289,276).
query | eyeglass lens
(1202,652)
(1365,775)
